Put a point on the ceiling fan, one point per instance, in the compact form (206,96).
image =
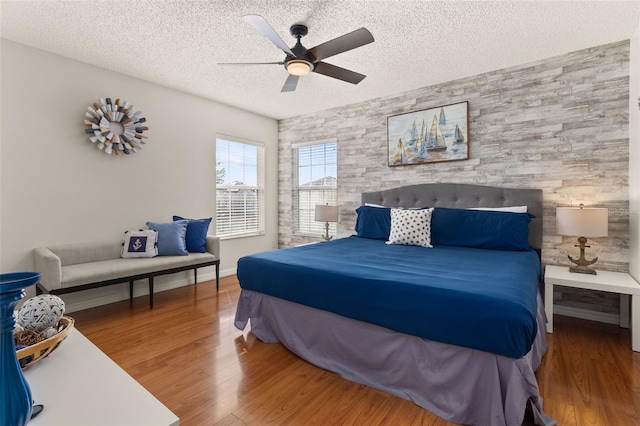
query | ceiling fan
(300,60)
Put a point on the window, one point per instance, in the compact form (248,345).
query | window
(315,183)
(239,187)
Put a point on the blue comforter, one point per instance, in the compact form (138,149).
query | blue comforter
(477,298)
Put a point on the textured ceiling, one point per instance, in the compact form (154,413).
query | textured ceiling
(179,44)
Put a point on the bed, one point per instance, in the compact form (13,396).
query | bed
(454,323)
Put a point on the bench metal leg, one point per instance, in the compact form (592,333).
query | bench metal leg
(130,290)
(151,292)
(217,277)
(635,322)
(195,275)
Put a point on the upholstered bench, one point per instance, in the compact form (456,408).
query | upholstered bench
(76,267)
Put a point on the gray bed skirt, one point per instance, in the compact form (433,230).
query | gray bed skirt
(461,385)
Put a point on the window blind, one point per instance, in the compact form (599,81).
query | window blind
(316,183)
(239,184)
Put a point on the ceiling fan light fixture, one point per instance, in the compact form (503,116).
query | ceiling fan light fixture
(299,67)
(301,61)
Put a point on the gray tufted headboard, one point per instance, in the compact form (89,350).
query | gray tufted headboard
(461,195)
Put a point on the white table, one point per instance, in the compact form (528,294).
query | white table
(80,385)
(613,282)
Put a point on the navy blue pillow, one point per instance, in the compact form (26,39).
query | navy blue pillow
(480,229)
(196,238)
(373,222)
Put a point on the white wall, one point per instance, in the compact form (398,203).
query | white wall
(56,187)
(634,156)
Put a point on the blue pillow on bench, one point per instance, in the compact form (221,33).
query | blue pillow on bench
(171,237)
(196,234)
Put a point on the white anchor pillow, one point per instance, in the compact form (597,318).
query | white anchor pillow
(143,243)
(411,227)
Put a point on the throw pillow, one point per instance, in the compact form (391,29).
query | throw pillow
(141,243)
(196,238)
(514,209)
(171,237)
(411,227)
(373,222)
(480,229)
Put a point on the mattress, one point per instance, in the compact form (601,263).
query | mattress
(475,298)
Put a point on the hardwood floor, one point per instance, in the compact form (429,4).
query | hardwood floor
(187,353)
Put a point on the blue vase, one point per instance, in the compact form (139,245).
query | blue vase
(15,396)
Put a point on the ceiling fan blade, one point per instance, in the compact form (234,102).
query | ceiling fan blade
(341,44)
(339,73)
(250,63)
(262,26)
(291,83)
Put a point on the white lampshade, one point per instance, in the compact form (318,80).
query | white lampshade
(582,222)
(326,213)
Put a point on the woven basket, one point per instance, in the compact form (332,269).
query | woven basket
(42,349)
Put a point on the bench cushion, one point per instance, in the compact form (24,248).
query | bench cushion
(72,254)
(88,273)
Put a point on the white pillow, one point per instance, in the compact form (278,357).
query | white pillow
(143,243)
(387,207)
(514,209)
(411,227)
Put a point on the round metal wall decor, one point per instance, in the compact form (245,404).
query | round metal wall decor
(115,127)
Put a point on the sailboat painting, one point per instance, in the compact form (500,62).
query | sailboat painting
(429,136)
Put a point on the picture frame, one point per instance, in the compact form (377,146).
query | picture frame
(429,136)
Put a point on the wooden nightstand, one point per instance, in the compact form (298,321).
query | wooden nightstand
(614,282)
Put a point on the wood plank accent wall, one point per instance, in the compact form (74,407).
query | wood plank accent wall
(560,124)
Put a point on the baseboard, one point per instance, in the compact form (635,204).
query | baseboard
(227,272)
(605,317)
(87,299)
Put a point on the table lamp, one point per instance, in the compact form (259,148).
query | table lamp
(582,222)
(326,213)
